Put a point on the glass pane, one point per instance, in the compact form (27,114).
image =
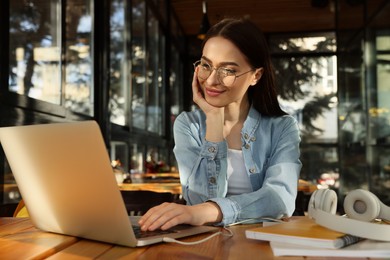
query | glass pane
(119,155)
(380,113)
(156,160)
(352,114)
(380,118)
(161,85)
(175,80)
(138,86)
(309,92)
(137,159)
(308,89)
(320,165)
(78,77)
(35,49)
(153,77)
(119,68)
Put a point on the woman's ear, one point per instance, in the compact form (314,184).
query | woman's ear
(257,75)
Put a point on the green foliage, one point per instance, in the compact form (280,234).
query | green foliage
(296,70)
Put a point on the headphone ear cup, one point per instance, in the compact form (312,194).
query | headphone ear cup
(323,199)
(329,201)
(362,205)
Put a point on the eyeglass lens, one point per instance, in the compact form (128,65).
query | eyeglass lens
(205,71)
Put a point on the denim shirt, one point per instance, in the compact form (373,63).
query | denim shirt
(270,147)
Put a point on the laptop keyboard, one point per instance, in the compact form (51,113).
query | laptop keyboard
(143,234)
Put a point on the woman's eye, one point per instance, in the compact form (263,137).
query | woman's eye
(228,72)
(206,66)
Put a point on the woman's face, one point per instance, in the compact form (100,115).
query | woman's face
(220,52)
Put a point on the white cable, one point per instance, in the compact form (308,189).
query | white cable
(172,240)
(230,233)
(255,219)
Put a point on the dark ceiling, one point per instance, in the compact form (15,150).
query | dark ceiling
(276,16)
(273,16)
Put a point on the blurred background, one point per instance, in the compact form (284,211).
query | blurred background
(128,65)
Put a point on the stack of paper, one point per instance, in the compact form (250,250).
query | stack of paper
(364,248)
(303,237)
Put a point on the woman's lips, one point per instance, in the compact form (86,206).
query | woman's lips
(213,92)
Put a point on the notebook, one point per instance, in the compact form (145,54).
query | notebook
(302,231)
(64,175)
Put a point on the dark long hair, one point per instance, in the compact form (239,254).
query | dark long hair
(252,43)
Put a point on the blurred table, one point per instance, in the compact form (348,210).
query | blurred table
(306,186)
(168,177)
(174,188)
(174,185)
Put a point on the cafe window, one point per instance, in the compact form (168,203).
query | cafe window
(49,68)
(175,81)
(78,47)
(155,77)
(364,95)
(137,89)
(138,66)
(120,77)
(52,65)
(35,49)
(306,67)
(138,83)
(36,67)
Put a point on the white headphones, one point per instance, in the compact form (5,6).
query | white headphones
(360,206)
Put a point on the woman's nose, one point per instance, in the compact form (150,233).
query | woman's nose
(213,78)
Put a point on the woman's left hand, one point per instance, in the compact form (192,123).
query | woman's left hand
(168,215)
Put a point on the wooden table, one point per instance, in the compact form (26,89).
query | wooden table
(20,240)
(174,188)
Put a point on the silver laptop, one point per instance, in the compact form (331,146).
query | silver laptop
(64,174)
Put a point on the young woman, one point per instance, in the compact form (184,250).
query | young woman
(238,154)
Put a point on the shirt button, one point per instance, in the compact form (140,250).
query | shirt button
(212,180)
(246,136)
(247,146)
(252,170)
(212,149)
(253,138)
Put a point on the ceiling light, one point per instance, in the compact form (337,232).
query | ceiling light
(205,25)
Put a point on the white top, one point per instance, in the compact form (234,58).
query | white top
(238,179)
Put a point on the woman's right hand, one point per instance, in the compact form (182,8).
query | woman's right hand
(199,98)
(214,115)
(167,215)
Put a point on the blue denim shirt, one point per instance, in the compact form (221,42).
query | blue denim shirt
(270,147)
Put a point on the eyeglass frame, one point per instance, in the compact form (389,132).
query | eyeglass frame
(199,62)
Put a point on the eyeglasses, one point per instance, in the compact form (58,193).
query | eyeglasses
(225,76)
